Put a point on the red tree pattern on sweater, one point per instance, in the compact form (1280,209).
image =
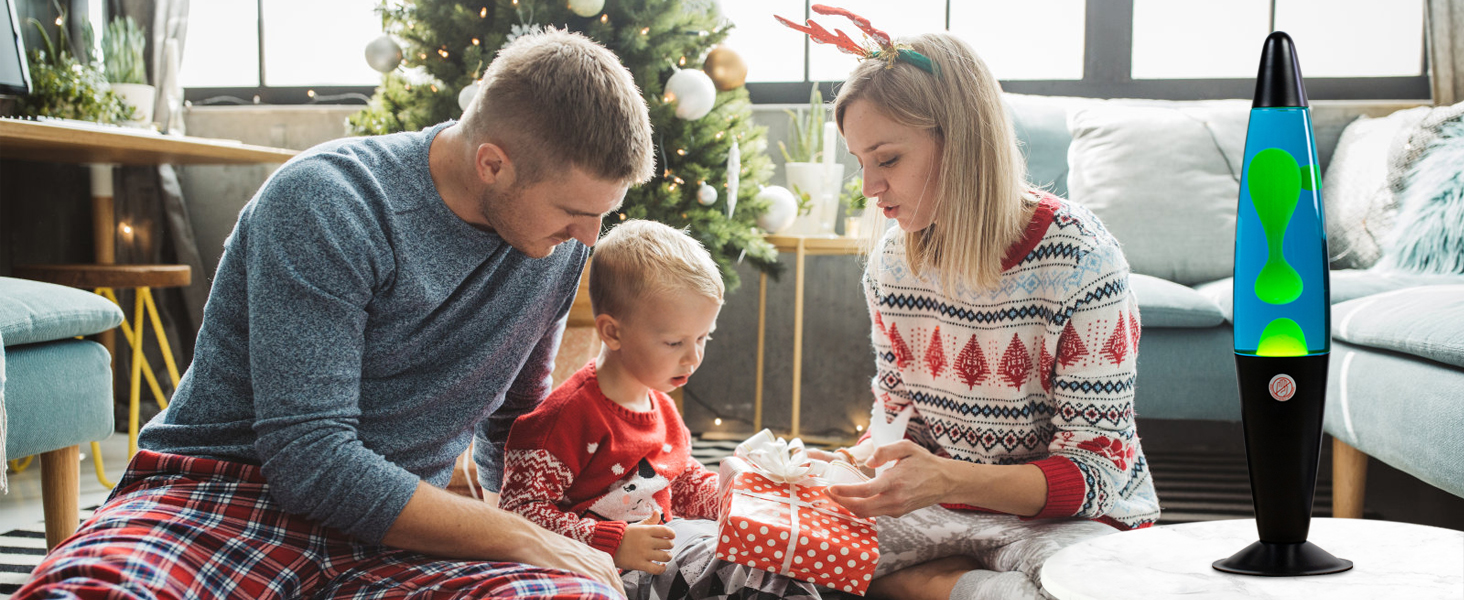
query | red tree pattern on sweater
(1016,363)
(1118,342)
(1070,348)
(971,363)
(935,354)
(902,352)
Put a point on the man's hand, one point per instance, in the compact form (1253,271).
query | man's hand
(918,479)
(645,546)
(555,551)
(440,523)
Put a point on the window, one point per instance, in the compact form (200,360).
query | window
(282,51)
(1168,49)
(1334,38)
(294,48)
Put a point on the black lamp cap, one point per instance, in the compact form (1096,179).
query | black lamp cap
(1278,84)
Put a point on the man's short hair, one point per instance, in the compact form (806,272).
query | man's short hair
(555,98)
(638,258)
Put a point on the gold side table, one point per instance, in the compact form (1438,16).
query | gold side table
(801,247)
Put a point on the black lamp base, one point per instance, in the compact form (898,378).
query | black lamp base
(1267,559)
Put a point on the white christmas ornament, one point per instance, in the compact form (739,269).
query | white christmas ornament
(465,97)
(706,195)
(734,175)
(782,208)
(586,8)
(693,92)
(383,54)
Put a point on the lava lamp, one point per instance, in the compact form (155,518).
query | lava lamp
(1282,321)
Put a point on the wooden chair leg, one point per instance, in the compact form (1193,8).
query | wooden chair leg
(1349,480)
(60,493)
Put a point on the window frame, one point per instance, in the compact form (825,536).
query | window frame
(1107,68)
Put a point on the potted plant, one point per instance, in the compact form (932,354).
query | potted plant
(854,203)
(124,54)
(811,172)
(64,87)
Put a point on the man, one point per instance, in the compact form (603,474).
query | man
(381,302)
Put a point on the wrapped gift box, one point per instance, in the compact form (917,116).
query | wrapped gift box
(780,518)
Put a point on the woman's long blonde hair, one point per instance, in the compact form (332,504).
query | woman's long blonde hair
(980,189)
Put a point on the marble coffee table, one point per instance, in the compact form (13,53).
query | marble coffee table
(1391,560)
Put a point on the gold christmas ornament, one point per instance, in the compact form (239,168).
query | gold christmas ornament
(726,68)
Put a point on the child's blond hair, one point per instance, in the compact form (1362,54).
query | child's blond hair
(555,98)
(638,258)
(983,178)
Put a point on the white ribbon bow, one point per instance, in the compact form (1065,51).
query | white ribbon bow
(778,459)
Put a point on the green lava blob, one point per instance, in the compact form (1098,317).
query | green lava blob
(1274,181)
(1282,337)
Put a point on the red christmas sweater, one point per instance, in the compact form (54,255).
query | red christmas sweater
(585,467)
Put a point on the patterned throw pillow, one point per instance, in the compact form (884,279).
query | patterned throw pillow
(1358,188)
(1429,235)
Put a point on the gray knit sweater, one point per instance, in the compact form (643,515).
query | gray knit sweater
(359,333)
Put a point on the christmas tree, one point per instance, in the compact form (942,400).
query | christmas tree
(445,45)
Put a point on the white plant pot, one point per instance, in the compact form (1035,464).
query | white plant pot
(822,187)
(140,97)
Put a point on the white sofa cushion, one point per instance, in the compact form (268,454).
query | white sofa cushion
(1164,177)
(1358,196)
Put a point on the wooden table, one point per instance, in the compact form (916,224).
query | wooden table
(104,147)
(801,246)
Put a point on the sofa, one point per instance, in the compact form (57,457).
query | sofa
(1164,178)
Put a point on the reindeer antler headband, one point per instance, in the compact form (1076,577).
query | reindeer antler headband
(883,48)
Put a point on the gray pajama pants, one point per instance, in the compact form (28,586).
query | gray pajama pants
(1010,551)
(695,572)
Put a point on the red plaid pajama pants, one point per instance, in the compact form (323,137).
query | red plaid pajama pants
(179,527)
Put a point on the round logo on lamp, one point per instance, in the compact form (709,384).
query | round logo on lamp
(1282,387)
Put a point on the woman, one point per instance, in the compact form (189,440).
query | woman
(1003,321)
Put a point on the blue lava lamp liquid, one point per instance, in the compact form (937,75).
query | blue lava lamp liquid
(1282,291)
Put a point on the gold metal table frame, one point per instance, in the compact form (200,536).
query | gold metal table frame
(801,247)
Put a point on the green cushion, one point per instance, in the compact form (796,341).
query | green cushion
(1421,321)
(32,311)
(57,394)
(1168,304)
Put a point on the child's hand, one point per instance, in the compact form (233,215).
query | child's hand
(645,546)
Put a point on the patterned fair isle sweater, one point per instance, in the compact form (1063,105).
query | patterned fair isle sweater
(1039,370)
(584,467)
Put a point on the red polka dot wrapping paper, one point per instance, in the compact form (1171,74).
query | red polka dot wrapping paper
(822,542)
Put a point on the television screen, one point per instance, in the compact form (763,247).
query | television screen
(14,76)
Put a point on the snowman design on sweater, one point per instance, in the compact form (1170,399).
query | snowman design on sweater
(585,467)
(631,499)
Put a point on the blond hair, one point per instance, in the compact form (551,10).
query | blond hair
(982,182)
(555,98)
(638,258)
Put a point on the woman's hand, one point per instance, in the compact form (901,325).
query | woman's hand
(918,479)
